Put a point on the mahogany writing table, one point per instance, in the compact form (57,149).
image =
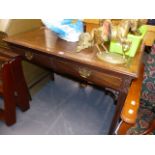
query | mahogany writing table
(43,47)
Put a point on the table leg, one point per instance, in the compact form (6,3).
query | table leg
(120,102)
(119,105)
(52,75)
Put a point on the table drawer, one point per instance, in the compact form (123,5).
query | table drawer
(37,58)
(87,74)
(68,68)
(105,80)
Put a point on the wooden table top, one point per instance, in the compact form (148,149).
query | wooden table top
(45,41)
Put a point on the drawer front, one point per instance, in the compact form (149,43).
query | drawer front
(31,56)
(39,59)
(86,74)
(104,79)
(68,68)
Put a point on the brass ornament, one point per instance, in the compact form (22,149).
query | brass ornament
(85,73)
(29,55)
(110,31)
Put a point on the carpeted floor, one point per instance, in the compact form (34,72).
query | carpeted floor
(61,107)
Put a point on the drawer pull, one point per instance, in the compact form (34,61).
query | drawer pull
(29,55)
(84,72)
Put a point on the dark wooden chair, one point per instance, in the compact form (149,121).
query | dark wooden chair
(138,114)
(13,87)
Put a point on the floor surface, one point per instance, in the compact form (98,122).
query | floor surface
(61,107)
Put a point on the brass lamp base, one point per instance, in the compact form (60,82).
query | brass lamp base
(113,58)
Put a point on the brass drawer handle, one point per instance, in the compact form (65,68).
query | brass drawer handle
(29,55)
(85,73)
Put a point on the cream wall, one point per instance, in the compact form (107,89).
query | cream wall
(3,24)
(14,26)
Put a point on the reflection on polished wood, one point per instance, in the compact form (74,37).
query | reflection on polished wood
(60,56)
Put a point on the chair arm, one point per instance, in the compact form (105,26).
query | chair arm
(132,102)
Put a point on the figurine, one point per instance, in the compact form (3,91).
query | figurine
(96,37)
(85,41)
(119,32)
(109,31)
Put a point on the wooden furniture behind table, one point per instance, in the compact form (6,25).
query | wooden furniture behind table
(94,23)
(91,23)
(150,35)
(44,48)
(13,87)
